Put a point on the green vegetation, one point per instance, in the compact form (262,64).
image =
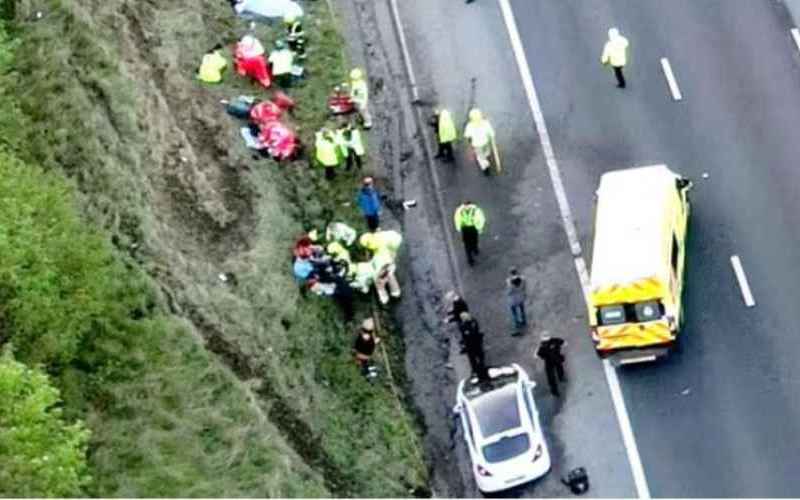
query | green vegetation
(190,387)
(41,454)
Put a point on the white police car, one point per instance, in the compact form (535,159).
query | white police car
(501,428)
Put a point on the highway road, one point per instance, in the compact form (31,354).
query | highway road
(721,417)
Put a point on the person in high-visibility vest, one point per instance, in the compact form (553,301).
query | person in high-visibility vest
(212,66)
(359,93)
(295,35)
(480,134)
(615,54)
(355,146)
(282,61)
(469,221)
(446,133)
(384,267)
(325,152)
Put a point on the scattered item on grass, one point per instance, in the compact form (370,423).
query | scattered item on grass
(212,66)
(267,10)
(705,175)
(340,102)
(240,107)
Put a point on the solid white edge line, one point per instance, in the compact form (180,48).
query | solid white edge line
(569,227)
(796,37)
(673,84)
(404,47)
(744,286)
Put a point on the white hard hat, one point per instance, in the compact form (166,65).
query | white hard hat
(613,33)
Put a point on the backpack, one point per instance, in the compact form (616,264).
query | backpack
(577,480)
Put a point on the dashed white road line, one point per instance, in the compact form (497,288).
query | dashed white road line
(629,441)
(796,37)
(673,84)
(744,286)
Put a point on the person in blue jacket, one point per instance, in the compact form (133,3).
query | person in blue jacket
(369,201)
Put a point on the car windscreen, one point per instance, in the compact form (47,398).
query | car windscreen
(506,448)
(497,411)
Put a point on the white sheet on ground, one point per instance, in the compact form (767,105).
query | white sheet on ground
(269,8)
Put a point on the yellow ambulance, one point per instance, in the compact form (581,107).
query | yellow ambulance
(634,300)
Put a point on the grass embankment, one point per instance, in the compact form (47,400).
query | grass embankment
(249,391)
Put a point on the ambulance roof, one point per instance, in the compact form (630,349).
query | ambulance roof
(629,226)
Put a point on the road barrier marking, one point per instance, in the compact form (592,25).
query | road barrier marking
(747,295)
(673,84)
(796,37)
(628,439)
(404,47)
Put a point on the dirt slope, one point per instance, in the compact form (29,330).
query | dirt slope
(160,166)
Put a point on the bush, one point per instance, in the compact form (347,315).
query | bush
(41,454)
(57,277)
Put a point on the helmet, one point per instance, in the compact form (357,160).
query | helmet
(613,33)
(356,74)
(289,18)
(280,44)
(368,325)
(475,115)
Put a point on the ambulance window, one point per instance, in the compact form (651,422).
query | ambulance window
(611,315)
(675,254)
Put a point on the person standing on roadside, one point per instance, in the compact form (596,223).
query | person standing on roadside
(359,93)
(480,134)
(364,347)
(550,352)
(446,134)
(369,201)
(615,54)
(469,221)
(457,306)
(517,291)
(472,345)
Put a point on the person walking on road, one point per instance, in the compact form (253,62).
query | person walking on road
(550,352)
(470,221)
(369,201)
(615,54)
(472,345)
(446,134)
(517,291)
(480,134)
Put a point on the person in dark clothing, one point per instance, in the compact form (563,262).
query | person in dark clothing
(550,352)
(472,345)
(343,295)
(457,306)
(364,347)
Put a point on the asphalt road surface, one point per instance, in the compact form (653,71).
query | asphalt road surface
(721,418)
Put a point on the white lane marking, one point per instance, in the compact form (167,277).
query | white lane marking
(673,84)
(404,47)
(572,235)
(747,295)
(796,37)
